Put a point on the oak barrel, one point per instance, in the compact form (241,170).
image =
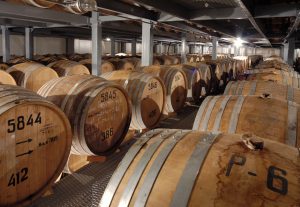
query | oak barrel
(266,117)
(176,86)
(147,94)
(258,88)
(3,66)
(123,64)
(105,67)
(271,74)
(68,67)
(39,3)
(99,111)
(6,78)
(32,75)
(168,167)
(193,81)
(35,144)
(206,78)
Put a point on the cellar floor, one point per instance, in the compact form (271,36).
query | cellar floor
(86,186)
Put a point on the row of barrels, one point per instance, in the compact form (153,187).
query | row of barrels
(227,132)
(96,115)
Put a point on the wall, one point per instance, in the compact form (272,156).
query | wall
(42,45)
(50,45)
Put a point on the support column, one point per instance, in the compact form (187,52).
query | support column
(70,46)
(5,44)
(123,47)
(28,43)
(236,51)
(183,49)
(289,51)
(285,51)
(214,48)
(177,48)
(112,47)
(282,52)
(133,47)
(96,43)
(161,48)
(147,43)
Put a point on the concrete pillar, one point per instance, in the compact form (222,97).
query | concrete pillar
(133,47)
(113,46)
(147,43)
(29,43)
(70,48)
(183,49)
(96,43)
(214,48)
(5,43)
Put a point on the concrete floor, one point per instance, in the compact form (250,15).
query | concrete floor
(85,187)
(182,120)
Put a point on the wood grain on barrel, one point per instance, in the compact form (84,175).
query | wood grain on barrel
(258,88)
(68,67)
(32,75)
(99,111)
(147,94)
(105,67)
(193,79)
(189,168)
(6,78)
(176,86)
(35,144)
(265,117)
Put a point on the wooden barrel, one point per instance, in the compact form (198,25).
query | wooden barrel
(68,67)
(193,79)
(167,60)
(76,57)
(6,78)
(274,90)
(273,63)
(99,111)
(50,59)
(123,64)
(105,67)
(175,82)
(230,70)
(157,60)
(263,116)
(17,60)
(168,167)
(39,3)
(32,75)
(35,144)
(206,78)
(218,78)
(135,61)
(278,76)
(81,6)
(147,94)
(3,66)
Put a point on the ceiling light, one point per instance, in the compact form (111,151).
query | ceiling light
(238,42)
(107,39)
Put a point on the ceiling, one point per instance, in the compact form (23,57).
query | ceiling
(262,22)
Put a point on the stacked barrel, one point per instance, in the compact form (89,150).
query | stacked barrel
(35,145)
(172,167)
(263,106)
(245,136)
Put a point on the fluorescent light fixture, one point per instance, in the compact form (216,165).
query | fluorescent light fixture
(107,39)
(238,42)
